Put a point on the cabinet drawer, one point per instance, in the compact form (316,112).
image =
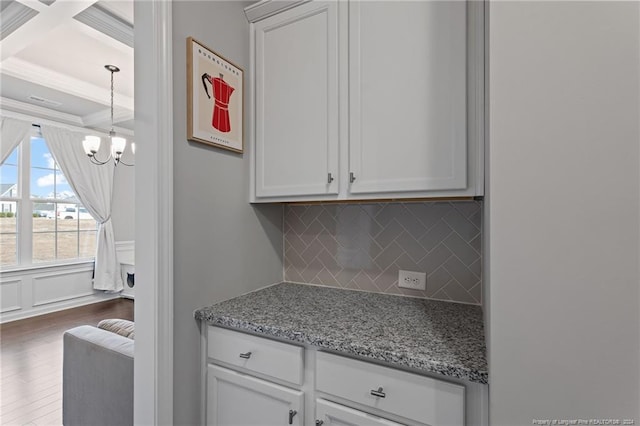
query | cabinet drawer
(265,356)
(415,397)
(334,414)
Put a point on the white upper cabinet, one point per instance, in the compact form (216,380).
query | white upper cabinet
(358,100)
(407,96)
(296,102)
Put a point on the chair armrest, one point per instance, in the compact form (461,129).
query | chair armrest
(97,386)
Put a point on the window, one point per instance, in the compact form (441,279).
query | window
(58,227)
(8,208)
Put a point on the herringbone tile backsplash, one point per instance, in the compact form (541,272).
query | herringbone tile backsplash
(362,247)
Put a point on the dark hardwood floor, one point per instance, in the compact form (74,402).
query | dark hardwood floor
(31,361)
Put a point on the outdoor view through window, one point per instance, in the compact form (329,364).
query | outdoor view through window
(57,227)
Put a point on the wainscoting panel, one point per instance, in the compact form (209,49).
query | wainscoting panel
(59,286)
(47,288)
(10,298)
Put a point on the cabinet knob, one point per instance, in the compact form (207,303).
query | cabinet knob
(329,178)
(245,355)
(291,414)
(352,177)
(378,393)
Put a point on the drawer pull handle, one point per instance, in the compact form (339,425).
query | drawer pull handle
(352,177)
(245,355)
(378,393)
(329,178)
(291,414)
(319,422)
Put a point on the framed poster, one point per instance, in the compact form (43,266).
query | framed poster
(215,110)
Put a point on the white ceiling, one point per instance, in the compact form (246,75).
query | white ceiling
(56,50)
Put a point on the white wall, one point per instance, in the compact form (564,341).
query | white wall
(124,203)
(223,246)
(564,211)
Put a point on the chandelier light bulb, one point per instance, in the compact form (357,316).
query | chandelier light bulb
(118,144)
(91,144)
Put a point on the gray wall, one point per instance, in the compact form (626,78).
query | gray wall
(564,211)
(124,200)
(223,246)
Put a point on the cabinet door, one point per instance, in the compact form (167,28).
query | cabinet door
(331,414)
(241,400)
(407,96)
(296,94)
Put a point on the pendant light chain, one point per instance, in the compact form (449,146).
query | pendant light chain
(112,132)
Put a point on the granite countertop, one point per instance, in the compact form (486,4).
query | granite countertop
(437,337)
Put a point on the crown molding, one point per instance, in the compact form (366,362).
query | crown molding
(27,71)
(35,112)
(101,20)
(34,4)
(265,8)
(14,15)
(99,36)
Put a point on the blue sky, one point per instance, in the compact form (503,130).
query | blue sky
(46,182)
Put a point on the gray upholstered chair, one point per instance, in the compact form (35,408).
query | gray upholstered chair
(97,386)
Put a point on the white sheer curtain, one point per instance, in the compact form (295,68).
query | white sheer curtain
(12,132)
(93,185)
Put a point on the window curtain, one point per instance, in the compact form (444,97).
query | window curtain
(12,132)
(93,186)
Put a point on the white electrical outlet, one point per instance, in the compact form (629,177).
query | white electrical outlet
(412,280)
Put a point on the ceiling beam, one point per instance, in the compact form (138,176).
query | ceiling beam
(38,27)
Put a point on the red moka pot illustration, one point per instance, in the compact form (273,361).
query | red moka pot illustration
(222,93)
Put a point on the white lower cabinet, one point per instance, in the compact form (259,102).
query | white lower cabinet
(330,414)
(256,381)
(419,398)
(241,400)
(274,360)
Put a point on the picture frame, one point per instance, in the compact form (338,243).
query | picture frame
(215,98)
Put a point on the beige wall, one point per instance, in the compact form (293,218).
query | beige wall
(563,211)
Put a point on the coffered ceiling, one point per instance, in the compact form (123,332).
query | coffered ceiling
(52,57)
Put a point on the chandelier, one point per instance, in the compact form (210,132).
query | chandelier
(91,144)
